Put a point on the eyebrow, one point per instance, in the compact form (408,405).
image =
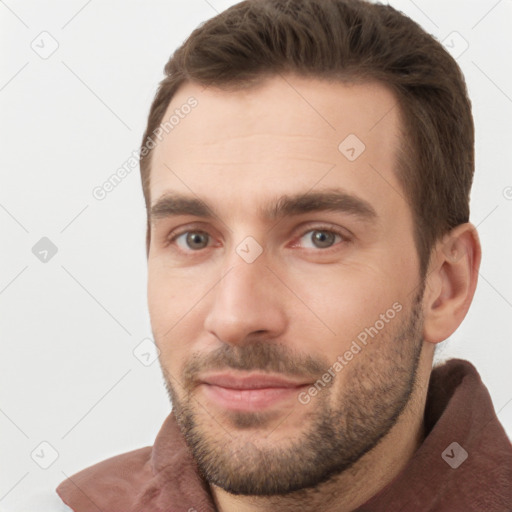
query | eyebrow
(174,204)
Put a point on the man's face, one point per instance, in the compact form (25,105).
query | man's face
(287,310)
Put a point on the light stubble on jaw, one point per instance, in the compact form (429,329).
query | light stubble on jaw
(378,385)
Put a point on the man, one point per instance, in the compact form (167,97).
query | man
(306,168)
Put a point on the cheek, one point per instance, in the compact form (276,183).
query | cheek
(171,292)
(174,305)
(341,301)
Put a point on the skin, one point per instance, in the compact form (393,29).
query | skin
(304,300)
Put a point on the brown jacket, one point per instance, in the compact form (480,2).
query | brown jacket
(164,478)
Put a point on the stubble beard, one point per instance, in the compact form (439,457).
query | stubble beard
(378,386)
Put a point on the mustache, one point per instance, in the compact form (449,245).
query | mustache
(263,356)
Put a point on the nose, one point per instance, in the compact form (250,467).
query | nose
(247,303)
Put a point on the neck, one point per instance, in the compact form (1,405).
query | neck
(370,474)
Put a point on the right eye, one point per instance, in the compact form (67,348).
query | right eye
(191,240)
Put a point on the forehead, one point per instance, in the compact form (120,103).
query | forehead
(284,136)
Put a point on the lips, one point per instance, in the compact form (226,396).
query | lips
(249,392)
(254,381)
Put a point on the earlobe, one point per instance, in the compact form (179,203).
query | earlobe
(451,282)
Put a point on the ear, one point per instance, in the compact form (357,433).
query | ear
(450,282)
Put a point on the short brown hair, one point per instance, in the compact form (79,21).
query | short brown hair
(350,41)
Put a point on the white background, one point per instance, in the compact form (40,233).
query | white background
(69,326)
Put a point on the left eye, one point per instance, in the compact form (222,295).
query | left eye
(320,238)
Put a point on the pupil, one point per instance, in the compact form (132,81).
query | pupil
(323,238)
(195,238)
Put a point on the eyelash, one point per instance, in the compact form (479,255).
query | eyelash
(325,229)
